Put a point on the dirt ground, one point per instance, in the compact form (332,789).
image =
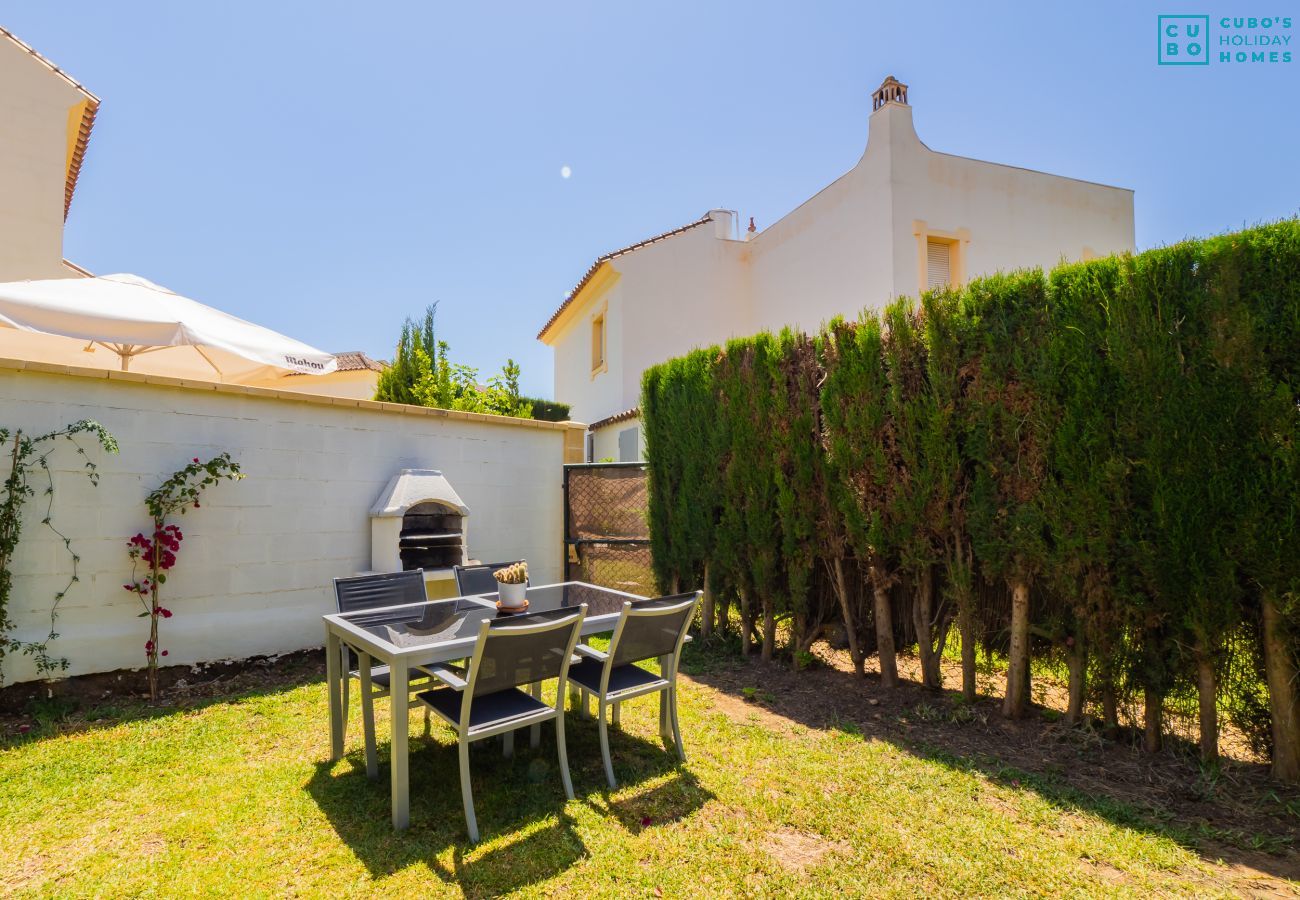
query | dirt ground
(1246,825)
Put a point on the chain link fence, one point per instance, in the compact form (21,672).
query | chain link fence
(606,531)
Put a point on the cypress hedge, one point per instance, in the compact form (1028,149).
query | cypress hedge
(1099,467)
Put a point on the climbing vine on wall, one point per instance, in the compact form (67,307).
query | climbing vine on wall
(28,455)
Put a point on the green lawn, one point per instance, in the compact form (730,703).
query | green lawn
(233,796)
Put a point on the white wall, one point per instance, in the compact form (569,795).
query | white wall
(1016,218)
(34,105)
(679,294)
(592,397)
(605,441)
(254,570)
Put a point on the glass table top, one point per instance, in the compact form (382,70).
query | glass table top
(457,619)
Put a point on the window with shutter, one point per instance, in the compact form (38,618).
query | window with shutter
(597,344)
(938,264)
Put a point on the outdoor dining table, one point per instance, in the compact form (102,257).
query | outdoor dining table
(436,631)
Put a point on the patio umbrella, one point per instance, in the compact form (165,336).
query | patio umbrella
(147,326)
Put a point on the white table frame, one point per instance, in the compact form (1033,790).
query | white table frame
(372,650)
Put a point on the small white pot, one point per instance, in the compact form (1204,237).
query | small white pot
(512,595)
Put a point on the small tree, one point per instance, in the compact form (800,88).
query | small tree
(1006,438)
(947,345)
(157,551)
(858,437)
(1087,495)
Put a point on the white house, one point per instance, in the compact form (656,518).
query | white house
(904,219)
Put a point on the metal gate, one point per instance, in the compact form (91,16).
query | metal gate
(606,526)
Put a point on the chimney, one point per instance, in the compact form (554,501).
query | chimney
(723,223)
(891,90)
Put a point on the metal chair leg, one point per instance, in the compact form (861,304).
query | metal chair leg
(535,732)
(467,793)
(604,745)
(564,756)
(614,716)
(665,730)
(677,729)
(508,744)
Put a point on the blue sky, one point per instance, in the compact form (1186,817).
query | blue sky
(328,168)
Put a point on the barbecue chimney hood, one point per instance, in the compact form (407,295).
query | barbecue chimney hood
(418,522)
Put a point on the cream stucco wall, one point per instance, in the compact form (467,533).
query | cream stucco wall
(852,246)
(605,442)
(34,107)
(256,564)
(357,384)
(592,393)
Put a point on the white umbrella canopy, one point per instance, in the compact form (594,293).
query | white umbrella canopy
(147,327)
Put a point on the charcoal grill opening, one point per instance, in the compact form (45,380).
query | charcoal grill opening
(419,522)
(432,537)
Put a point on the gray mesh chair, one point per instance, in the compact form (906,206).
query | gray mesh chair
(362,592)
(646,629)
(474,580)
(510,652)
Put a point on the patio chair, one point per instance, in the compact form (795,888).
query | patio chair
(362,592)
(486,700)
(477,579)
(646,629)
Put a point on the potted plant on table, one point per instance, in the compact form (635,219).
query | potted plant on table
(512,586)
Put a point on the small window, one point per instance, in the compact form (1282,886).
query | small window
(598,343)
(938,264)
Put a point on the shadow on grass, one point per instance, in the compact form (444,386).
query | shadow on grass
(526,834)
(60,716)
(1246,819)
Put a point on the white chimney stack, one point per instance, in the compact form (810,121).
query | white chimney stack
(723,223)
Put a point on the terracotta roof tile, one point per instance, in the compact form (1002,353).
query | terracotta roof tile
(353,361)
(577,289)
(623,416)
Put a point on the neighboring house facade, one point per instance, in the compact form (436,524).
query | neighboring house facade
(357,377)
(903,220)
(45,123)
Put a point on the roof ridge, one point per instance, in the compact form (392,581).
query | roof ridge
(614,254)
(49,64)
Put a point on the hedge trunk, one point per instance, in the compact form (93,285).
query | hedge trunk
(884,633)
(706,607)
(769,628)
(1077,660)
(846,611)
(966,625)
(922,617)
(1207,691)
(746,623)
(1153,719)
(1109,706)
(1284,702)
(1013,707)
